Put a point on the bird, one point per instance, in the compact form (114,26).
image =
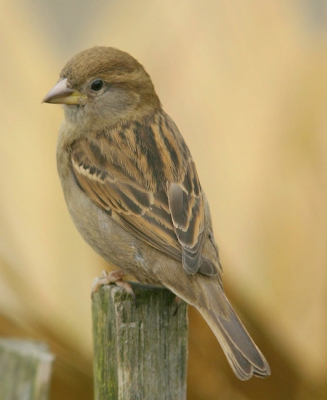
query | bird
(133,192)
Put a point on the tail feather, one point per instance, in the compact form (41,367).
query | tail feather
(242,354)
(207,295)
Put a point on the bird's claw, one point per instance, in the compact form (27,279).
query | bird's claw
(113,277)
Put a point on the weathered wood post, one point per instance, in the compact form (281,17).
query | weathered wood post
(140,351)
(25,369)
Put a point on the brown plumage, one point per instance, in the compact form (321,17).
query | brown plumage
(133,191)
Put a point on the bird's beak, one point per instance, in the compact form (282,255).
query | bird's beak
(62,94)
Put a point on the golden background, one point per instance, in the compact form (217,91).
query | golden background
(246,82)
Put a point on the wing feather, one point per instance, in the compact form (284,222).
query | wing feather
(162,204)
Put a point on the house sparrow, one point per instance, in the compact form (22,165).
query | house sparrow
(133,191)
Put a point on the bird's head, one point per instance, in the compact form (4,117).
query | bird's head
(103,85)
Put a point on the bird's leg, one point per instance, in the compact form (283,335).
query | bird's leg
(113,277)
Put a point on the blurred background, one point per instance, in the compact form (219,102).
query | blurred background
(246,82)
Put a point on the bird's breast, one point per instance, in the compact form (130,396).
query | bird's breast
(114,243)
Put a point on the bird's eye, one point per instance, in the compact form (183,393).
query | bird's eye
(97,85)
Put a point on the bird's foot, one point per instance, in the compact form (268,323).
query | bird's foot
(113,277)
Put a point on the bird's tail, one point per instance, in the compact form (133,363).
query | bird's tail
(242,353)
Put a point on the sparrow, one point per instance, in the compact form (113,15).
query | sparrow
(133,192)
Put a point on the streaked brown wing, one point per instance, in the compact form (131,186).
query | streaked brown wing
(186,206)
(162,204)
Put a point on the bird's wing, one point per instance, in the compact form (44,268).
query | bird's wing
(142,178)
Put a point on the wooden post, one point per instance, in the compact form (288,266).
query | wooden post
(25,369)
(140,351)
